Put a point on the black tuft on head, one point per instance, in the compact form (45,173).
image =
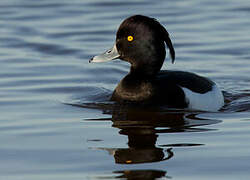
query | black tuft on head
(146,49)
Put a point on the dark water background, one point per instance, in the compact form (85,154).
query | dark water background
(44,50)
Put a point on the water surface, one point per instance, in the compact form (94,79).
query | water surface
(57,122)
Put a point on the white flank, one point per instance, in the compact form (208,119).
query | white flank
(211,101)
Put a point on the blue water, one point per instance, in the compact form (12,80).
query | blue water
(57,123)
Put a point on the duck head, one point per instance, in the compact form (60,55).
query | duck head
(140,40)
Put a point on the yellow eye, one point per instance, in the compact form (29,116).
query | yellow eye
(130,38)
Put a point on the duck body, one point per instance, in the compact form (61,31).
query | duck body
(141,40)
(174,89)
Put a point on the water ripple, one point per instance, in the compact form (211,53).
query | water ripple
(45,48)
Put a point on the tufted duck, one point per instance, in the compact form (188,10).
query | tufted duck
(140,41)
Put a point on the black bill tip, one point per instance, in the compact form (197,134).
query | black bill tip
(90,60)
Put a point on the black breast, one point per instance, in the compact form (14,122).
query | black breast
(149,92)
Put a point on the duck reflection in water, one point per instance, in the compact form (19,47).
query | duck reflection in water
(141,149)
(141,174)
(143,126)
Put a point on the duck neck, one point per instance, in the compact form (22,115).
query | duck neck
(144,72)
